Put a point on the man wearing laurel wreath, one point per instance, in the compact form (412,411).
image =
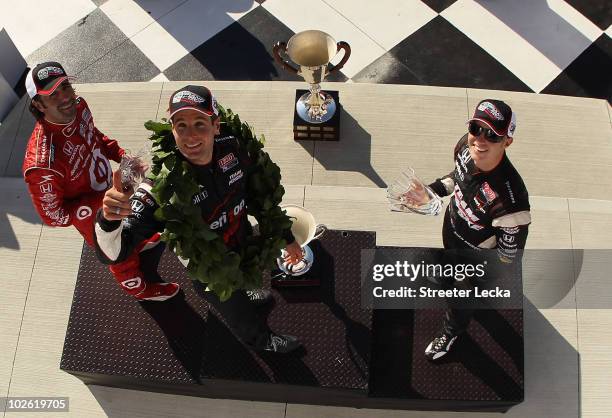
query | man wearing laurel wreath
(67,170)
(489,209)
(221,170)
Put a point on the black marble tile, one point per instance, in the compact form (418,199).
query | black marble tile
(438,54)
(438,5)
(242,51)
(83,43)
(540,13)
(99,2)
(386,69)
(598,11)
(124,63)
(589,75)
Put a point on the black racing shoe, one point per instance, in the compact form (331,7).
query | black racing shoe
(440,346)
(259,296)
(279,343)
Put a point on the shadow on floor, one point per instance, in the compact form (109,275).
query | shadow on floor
(531,19)
(353,152)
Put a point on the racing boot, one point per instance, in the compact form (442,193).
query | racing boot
(440,346)
(259,297)
(279,343)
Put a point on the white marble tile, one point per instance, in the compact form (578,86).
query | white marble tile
(127,16)
(159,78)
(159,46)
(32,23)
(158,8)
(579,21)
(185,28)
(320,15)
(194,21)
(534,40)
(387,22)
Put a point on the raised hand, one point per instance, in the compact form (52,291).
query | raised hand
(416,194)
(116,201)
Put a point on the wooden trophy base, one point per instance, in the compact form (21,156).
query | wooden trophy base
(326,131)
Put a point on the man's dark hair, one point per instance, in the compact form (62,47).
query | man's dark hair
(38,115)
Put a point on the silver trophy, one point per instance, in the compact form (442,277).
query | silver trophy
(134,166)
(409,194)
(312,50)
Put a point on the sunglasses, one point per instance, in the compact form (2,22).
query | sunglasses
(490,135)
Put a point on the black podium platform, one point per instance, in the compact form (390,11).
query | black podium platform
(350,357)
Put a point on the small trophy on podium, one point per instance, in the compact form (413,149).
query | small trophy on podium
(316,116)
(304,229)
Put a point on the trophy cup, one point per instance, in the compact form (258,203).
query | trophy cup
(133,167)
(316,115)
(409,194)
(304,230)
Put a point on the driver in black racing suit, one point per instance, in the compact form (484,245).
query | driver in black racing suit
(221,170)
(489,206)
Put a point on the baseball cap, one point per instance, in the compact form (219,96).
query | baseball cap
(45,78)
(497,115)
(197,98)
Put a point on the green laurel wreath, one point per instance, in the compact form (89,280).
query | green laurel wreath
(186,233)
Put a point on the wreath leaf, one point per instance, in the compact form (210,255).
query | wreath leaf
(210,261)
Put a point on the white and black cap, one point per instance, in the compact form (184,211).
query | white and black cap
(45,78)
(197,98)
(497,115)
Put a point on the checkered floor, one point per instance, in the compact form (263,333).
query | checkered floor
(547,46)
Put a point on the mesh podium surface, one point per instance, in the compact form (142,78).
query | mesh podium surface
(351,357)
(178,346)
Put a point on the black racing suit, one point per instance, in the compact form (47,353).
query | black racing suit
(222,199)
(487,210)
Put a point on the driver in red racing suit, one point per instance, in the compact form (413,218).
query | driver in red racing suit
(67,170)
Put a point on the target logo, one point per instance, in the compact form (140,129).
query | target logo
(100,173)
(132,283)
(83,212)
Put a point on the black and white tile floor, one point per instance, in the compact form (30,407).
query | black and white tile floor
(548,46)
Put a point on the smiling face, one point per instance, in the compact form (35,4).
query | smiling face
(486,154)
(194,133)
(60,106)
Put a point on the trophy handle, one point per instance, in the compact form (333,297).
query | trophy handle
(278,47)
(319,230)
(347,54)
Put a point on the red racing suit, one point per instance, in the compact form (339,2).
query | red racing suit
(67,170)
